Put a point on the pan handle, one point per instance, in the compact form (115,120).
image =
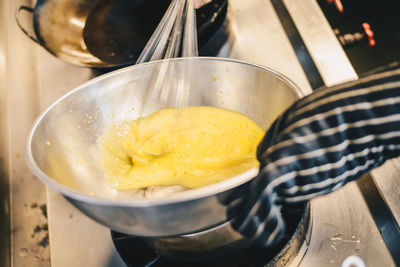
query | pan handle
(18,19)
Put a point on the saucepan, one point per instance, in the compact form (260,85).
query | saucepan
(112,33)
(62,146)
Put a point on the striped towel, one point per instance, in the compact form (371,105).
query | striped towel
(319,144)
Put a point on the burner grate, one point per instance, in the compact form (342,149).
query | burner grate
(135,251)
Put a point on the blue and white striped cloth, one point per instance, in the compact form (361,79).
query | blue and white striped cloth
(319,144)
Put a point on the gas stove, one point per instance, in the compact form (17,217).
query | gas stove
(295,37)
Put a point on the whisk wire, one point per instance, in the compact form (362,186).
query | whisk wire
(176,35)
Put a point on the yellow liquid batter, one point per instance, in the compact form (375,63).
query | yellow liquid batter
(190,146)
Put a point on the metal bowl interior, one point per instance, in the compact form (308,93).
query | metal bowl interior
(62,146)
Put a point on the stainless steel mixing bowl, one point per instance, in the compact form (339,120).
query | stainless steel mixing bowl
(62,146)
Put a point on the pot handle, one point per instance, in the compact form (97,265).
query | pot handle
(18,19)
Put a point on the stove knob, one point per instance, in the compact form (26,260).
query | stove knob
(338,4)
(354,261)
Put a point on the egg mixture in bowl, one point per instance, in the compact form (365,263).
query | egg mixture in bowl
(189,147)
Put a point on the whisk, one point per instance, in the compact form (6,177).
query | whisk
(167,38)
(176,35)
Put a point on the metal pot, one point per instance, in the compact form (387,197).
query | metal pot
(62,146)
(112,33)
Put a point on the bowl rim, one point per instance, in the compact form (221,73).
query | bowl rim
(185,196)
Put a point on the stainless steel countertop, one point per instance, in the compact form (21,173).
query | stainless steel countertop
(19,106)
(31,79)
(321,42)
(387,178)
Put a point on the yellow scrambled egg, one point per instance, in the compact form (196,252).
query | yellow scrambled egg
(190,146)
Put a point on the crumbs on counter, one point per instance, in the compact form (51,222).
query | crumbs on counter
(38,247)
(44,210)
(37,229)
(45,241)
(40,228)
(42,207)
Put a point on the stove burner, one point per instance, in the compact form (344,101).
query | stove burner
(136,251)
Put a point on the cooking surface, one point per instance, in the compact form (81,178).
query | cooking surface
(342,224)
